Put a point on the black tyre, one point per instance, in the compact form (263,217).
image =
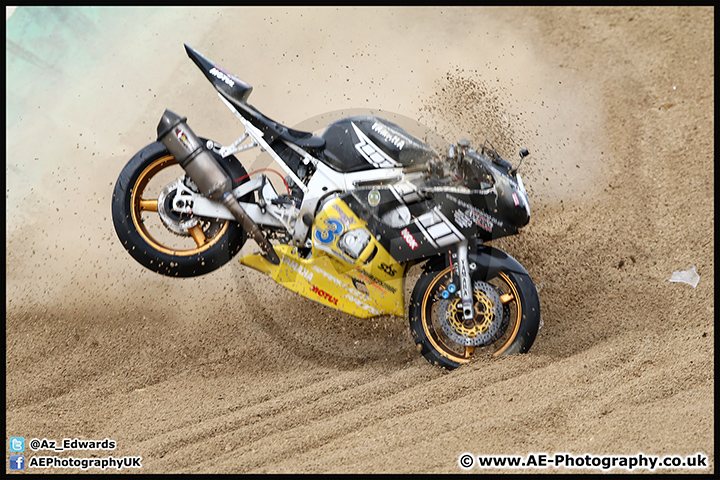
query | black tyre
(166,242)
(507,317)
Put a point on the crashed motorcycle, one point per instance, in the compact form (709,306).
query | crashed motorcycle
(360,204)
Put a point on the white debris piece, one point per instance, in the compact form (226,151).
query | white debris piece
(686,276)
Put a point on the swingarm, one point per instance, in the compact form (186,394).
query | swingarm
(266,213)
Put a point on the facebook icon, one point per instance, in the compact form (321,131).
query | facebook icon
(17,462)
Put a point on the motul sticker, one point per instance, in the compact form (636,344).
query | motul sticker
(323,294)
(409,239)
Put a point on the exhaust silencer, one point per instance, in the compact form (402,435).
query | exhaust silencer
(209,177)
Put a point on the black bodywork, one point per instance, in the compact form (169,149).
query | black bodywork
(343,147)
(474,196)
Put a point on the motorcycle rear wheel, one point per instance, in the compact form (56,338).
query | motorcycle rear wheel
(514,332)
(164,241)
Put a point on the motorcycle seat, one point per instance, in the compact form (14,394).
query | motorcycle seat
(273,130)
(304,140)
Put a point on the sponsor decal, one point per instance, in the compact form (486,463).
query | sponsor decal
(344,218)
(328,276)
(360,286)
(463,220)
(375,282)
(334,228)
(388,269)
(481,219)
(372,310)
(388,135)
(409,239)
(469,216)
(300,270)
(371,152)
(323,294)
(515,199)
(222,76)
(180,134)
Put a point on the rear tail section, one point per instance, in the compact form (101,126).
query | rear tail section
(225,82)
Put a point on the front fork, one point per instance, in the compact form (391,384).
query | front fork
(463,273)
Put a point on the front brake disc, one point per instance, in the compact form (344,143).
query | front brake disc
(479,330)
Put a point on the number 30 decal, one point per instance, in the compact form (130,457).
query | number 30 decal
(334,228)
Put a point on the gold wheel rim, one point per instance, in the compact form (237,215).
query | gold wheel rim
(469,352)
(138,205)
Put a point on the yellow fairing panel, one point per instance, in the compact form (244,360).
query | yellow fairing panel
(371,285)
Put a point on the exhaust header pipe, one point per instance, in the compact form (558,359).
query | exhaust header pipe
(209,177)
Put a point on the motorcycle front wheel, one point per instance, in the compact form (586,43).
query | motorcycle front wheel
(506,321)
(167,242)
